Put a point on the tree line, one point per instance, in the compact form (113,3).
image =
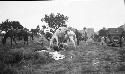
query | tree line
(53,21)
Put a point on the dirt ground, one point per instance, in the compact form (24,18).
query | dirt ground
(85,59)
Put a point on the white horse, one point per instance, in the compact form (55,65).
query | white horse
(64,33)
(59,33)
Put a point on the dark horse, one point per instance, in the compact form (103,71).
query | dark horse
(31,35)
(19,34)
(10,33)
(23,34)
(13,34)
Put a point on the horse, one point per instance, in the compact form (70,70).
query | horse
(62,34)
(31,35)
(10,33)
(23,34)
(59,33)
(19,34)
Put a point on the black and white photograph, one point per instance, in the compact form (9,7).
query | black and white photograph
(62,37)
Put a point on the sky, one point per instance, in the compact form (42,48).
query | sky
(82,13)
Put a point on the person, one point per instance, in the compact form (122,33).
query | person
(103,40)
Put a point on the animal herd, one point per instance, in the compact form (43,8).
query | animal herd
(55,37)
(16,34)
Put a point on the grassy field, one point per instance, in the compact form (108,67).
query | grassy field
(85,59)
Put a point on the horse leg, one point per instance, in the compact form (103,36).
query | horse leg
(27,40)
(11,41)
(14,41)
(57,40)
(3,41)
(24,42)
(71,38)
(32,37)
(19,38)
(47,37)
(51,41)
(78,40)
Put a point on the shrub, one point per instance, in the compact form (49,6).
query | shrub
(42,58)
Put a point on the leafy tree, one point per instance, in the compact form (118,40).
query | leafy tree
(55,21)
(10,24)
(103,32)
